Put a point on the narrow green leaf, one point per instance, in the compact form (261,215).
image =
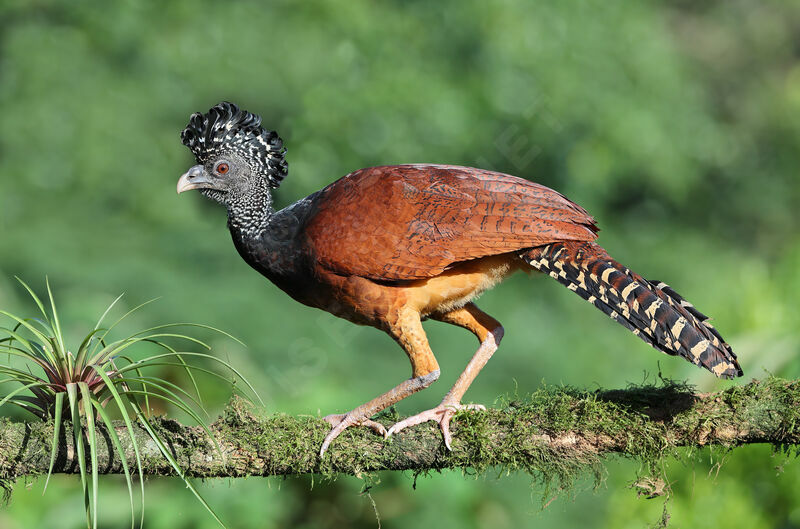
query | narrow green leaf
(34,410)
(21,376)
(159,382)
(171,398)
(41,336)
(84,348)
(56,324)
(116,348)
(35,298)
(45,325)
(134,309)
(87,398)
(186,369)
(77,434)
(13,335)
(59,405)
(145,362)
(100,321)
(112,433)
(128,424)
(166,453)
(193,368)
(210,328)
(20,390)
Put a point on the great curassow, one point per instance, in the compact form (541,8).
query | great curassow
(392,246)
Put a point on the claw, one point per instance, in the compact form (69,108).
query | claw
(442,414)
(341,421)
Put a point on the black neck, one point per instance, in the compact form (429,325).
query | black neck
(276,249)
(249,215)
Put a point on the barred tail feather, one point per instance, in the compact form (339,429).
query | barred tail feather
(650,309)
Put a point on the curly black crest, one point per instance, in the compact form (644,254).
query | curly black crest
(227,128)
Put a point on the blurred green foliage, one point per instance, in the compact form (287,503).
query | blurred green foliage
(675,123)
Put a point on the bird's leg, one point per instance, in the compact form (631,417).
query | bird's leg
(336,419)
(362,414)
(489,332)
(407,330)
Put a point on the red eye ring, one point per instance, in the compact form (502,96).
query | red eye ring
(222,168)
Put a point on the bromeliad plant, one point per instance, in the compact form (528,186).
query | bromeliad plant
(97,381)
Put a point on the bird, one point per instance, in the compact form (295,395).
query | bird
(392,246)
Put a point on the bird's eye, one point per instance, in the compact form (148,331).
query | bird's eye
(222,168)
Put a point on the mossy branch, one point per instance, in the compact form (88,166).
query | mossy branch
(555,433)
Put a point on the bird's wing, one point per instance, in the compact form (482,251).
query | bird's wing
(414,221)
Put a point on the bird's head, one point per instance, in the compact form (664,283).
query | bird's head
(236,157)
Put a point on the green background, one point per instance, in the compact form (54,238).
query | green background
(674,123)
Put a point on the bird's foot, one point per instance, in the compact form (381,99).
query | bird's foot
(441,414)
(341,421)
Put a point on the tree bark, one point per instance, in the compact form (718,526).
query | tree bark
(554,433)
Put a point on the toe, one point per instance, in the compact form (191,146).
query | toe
(334,419)
(341,421)
(425,416)
(442,414)
(393,429)
(333,434)
(396,427)
(444,424)
(376,427)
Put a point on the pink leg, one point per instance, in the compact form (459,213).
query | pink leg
(490,332)
(408,332)
(361,415)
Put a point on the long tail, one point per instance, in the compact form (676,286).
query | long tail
(650,309)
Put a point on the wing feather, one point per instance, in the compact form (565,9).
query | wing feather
(410,222)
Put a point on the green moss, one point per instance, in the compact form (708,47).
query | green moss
(558,435)
(648,423)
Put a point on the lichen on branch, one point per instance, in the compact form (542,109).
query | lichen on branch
(555,433)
